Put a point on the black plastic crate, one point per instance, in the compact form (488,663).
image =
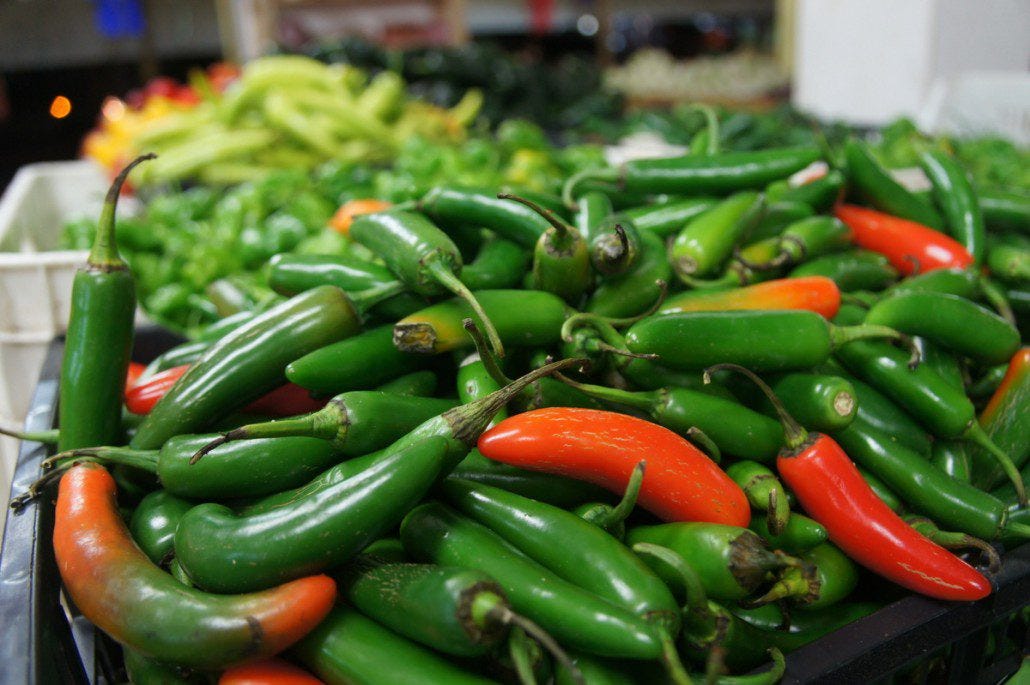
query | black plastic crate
(914,639)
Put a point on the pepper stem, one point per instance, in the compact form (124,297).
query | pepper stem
(442,272)
(975,433)
(104,252)
(508,617)
(671,660)
(711,126)
(996,297)
(328,423)
(47,437)
(707,445)
(607,174)
(644,401)
(696,605)
(778,513)
(45,481)
(795,435)
(796,581)
(363,300)
(954,540)
(564,230)
(144,460)
(624,508)
(493,369)
(842,335)
(518,644)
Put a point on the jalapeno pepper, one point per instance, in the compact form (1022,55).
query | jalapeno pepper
(247,363)
(851,270)
(416,384)
(819,194)
(668,219)
(630,293)
(603,448)
(499,264)
(708,240)
(122,592)
(800,534)
(767,340)
(877,187)
(954,322)
(776,218)
(829,487)
(154,521)
(825,578)
(350,648)
(814,293)
(810,238)
(451,206)
(613,242)
(225,552)
(911,247)
(956,197)
(1009,260)
(99,337)
(575,617)
(764,491)
(521,317)
(421,256)
(360,362)
(932,400)
(1005,210)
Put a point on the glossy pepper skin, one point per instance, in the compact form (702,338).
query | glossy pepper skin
(154,521)
(573,616)
(814,293)
(350,648)
(99,337)
(596,561)
(122,592)
(955,195)
(830,488)
(708,239)
(878,188)
(911,247)
(603,448)
(450,206)
(226,552)
(1006,418)
(632,292)
(668,219)
(248,362)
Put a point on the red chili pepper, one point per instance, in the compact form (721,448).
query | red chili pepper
(814,293)
(1019,369)
(909,246)
(268,672)
(602,447)
(135,371)
(119,589)
(286,400)
(831,490)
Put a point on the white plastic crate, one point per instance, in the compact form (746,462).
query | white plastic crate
(35,281)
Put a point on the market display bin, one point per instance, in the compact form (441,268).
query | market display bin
(921,639)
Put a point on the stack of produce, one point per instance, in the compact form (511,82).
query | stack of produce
(471,525)
(283,112)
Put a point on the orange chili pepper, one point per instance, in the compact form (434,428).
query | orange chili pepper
(814,293)
(344,216)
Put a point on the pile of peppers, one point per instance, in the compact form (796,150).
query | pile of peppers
(691,415)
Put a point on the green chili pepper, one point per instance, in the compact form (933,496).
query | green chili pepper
(521,317)
(346,647)
(763,340)
(851,270)
(943,409)
(924,487)
(731,562)
(1005,210)
(826,577)
(725,172)
(950,456)
(144,671)
(632,292)
(154,522)
(776,217)
(803,625)
(1009,259)
(99,337)
(954,322)
(961,282)
(879,411)
(812,237)
(544,487)
(248,363)
(950,540)
(956,197)
(740,271)
(819,194)
(734,428)
(649,375)
(612,519)
(876,186)
(357,363)
(764,491)
(708,240)
(881,490)
(499,264)
(670,218)
(822,402)
(575,617)
(416,384)
(353,423)
(290,274)
(1006,421)
(475,382)
(613,242)
(597,563)
(226,552)
(421,256)
(800,534)
(453,610)
(452,206)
